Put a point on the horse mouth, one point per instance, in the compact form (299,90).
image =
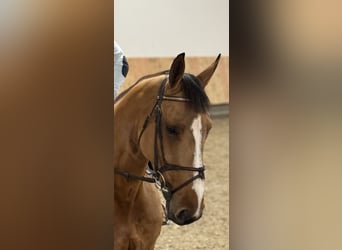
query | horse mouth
(185,221)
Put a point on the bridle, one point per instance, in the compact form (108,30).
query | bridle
(157,171)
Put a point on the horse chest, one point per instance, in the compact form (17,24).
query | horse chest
(136,234)
(137,223)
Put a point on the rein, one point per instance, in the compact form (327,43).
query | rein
(157,171)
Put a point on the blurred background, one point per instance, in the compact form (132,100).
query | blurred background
(56,124)
(285,125)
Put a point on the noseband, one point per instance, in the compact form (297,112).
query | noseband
(157,171)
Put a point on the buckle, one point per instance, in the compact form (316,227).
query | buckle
(160,185)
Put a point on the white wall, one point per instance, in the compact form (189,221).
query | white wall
(163,28)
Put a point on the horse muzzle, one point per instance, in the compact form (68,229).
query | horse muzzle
(184,217)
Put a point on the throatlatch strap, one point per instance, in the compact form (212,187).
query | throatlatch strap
(133,177)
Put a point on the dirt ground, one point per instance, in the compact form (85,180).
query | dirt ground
(212,230)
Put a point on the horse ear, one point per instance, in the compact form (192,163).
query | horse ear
(205,76)
(177,70)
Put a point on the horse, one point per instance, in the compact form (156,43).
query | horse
(160,124)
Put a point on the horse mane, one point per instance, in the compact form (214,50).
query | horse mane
(140,79)
(191,87)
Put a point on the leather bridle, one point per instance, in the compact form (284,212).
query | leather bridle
(156,171)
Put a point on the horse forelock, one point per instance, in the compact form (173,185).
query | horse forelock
(193,90)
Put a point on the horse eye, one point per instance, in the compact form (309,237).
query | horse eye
(171,130)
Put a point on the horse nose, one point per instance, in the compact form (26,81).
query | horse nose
(183,216)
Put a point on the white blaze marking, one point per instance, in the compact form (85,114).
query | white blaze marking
(198,184)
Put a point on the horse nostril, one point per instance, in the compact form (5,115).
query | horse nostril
(184,215)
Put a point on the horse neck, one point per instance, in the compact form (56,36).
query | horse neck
(129,115)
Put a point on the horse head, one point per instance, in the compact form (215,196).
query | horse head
(181,126)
